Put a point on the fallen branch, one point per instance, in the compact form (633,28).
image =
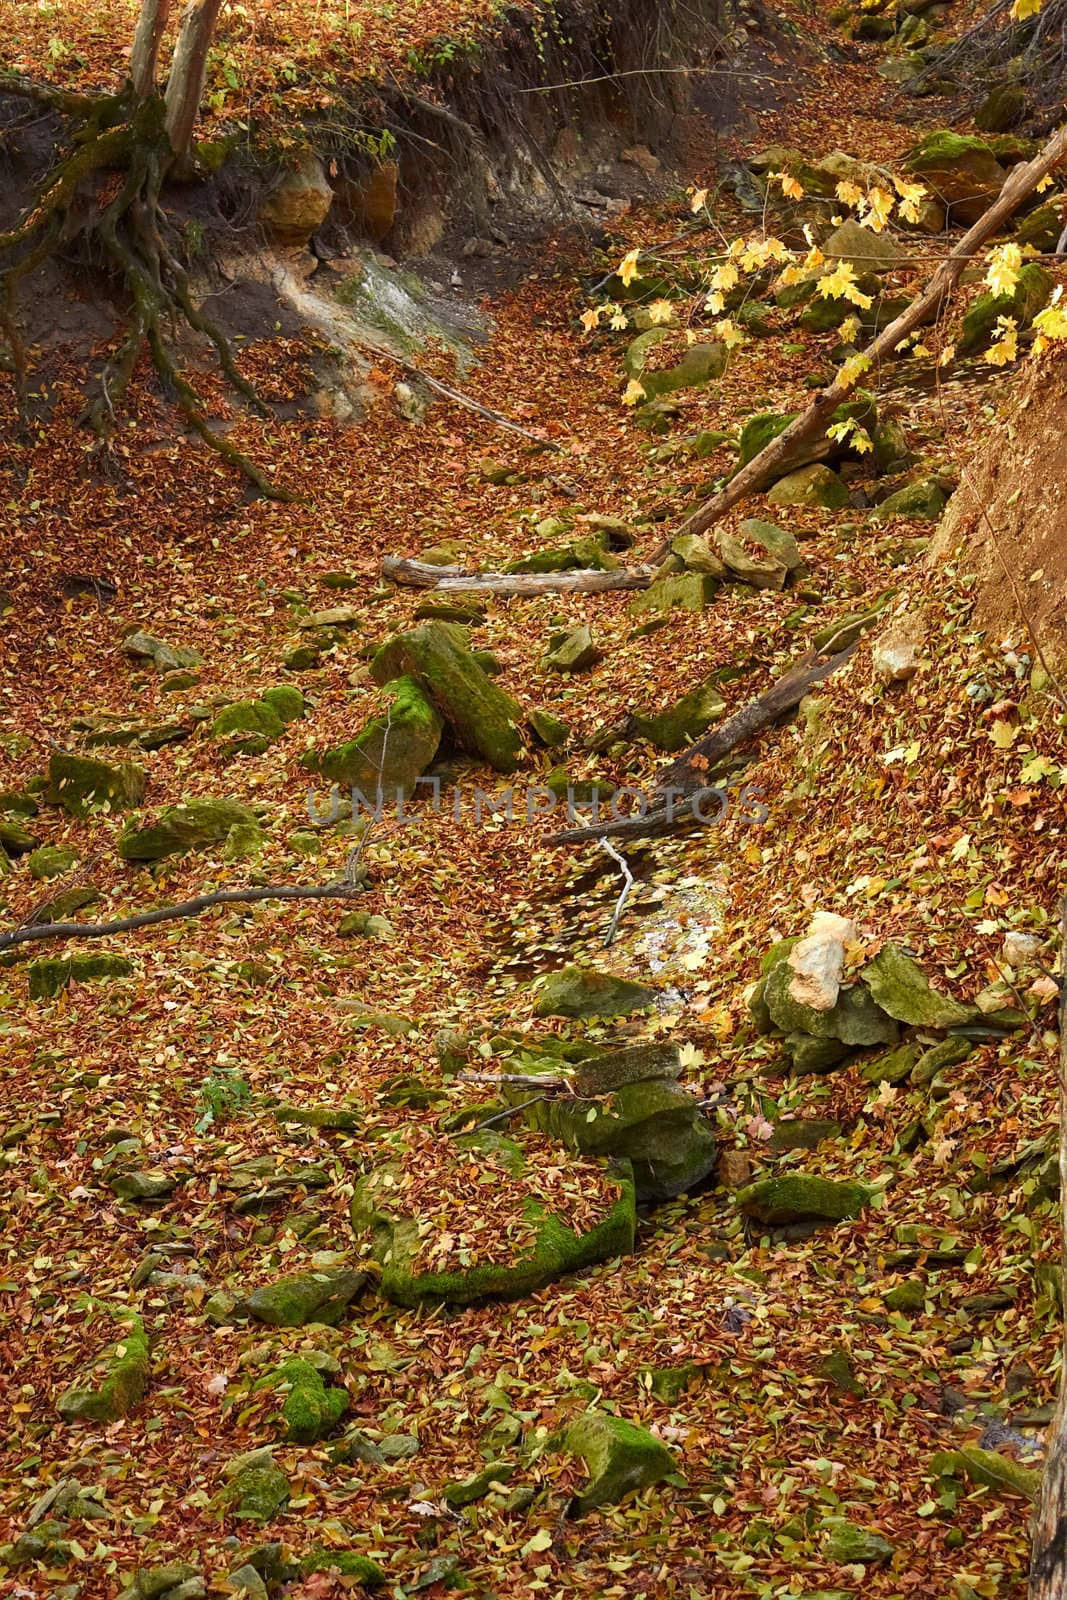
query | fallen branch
(693,770)
(187,908)
(422,575)
(1048,1556)
(528,1080)
(753,476)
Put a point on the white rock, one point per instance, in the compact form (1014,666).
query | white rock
(818,961)
(1019,948)
(895,656)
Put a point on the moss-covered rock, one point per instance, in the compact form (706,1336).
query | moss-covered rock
(1042,227)
(654,1124)
(244,842)
(855,1019)
(620,1456)
(52,975)
(142,1186)
(257,1489)
(552,731)
(682,591)
(184,828)
(469,1491)
(610,1070)
(583,992)
(63,906)
(549,1250)
(684,721)
(813,485)
(484,719)
(900,988)
(164,657)
(305,1297)
(801,1197)
(1033,290)
(1001,109)
(335,1119)
(907,1296)
(696,555)
(573,651)
(170,1580)
(249,725)
(50,861)
(286,701)
(848,1543)
(921,501)
(758,432)
(392,752)
(311,1409)
(15,838)
(346,1563)
(117,1383)
(960,170)
(989,1469)
(81,784)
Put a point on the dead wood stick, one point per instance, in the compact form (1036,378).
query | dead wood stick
(752,477)
(682,777)
(1048,1554)
(453,580)
(460,399)
(186,908)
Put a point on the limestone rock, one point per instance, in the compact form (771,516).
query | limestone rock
(855,1019)
(678,725)
(921,501)
(50,861)
(817,961)
(750,569)
(895,653)
(684,591)
(620,1456)
(298,204)
(165,657)
(612,1070)
(572,652)
(865,250)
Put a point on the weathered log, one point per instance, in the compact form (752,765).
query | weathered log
(422,575)
(693,770)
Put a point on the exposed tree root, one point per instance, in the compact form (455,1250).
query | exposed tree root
(103,199)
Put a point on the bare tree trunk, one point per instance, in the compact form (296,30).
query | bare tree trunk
(188,69)
(811,422)
(1048,1556)
(144,57)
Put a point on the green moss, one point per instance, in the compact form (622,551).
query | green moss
(345,1562)
(582,992)
(1033,290)
(681,591)
(311,1409)
(899,987)
(184,828)
(124,1370)
(669,1384)
(286,701)
(257,1494)
(305,1297)
(471,1490)
(50,977)
(340,1119)
(854,1020)
(813,485)
(81,784)
(989,1469)
(908,1296)
(391,752)
(678,725)
(620,1456)
(244,841)
(552,732)
(847,1543)
(760,429)
(801,1197)
(50,861)
(484,719)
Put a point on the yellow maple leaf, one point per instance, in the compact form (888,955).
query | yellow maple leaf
(841,285)
(1006,346)
(876,208)
(590,319)
(1002,268)
(698,200)
(1052,322)
(660,311)
(715,303)
(850,194)
(851,370)
(911,197)
(849,329)
(633,394)
(1022,9)
(628,270)
(946,355)
(728,331)
(791,187)
(619,321)
(725,276)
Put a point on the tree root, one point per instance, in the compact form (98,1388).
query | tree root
(113,137)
